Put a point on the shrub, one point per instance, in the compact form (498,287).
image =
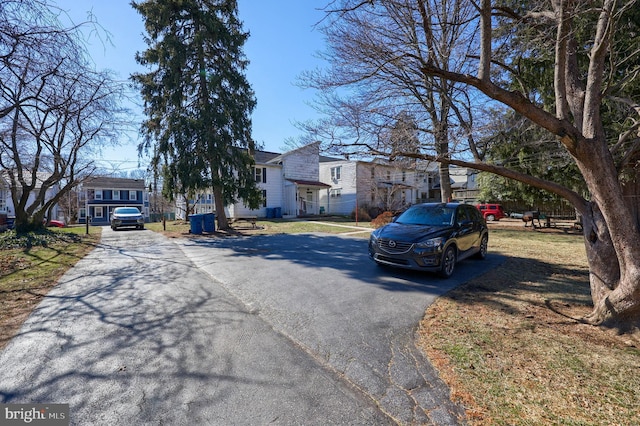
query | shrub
(382,219)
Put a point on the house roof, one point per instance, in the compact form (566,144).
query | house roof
(115,183)
(314,183)
(325,159)
(279,157)
(263,157)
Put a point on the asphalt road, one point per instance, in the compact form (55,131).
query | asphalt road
(285,329)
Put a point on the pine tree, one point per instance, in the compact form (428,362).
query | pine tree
(197,99)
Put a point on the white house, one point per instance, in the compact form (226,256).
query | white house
(378,183)
(464,184)
(300,182)
(268,176)
(6,202)
(289,183)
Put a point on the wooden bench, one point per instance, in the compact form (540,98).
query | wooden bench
(248,219)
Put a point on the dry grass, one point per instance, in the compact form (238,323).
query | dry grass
(335,225)
(28,272)
(514,351)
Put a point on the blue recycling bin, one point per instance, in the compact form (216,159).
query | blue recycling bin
(277,212)
(195,223)
(270,213)
(209,222)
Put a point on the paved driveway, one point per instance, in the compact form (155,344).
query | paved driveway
(281,329)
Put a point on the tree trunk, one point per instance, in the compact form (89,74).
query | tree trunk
(221,216)
(445,182)
(615,285)
(612,240)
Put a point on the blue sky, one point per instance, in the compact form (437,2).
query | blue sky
(283,43)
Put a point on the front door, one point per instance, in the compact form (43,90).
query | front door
(309,207)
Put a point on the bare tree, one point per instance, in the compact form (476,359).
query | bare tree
(375,51)
(53,108)
(595,72)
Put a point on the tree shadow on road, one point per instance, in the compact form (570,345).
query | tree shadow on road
(152,322)
(342,255)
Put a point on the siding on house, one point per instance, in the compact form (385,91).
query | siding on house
(300,180)
(301,163)
(273,189)
(5,197)
(372,184)
(342,196)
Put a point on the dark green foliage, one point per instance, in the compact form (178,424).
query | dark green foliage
(44,237)
(197,99)
(527,148)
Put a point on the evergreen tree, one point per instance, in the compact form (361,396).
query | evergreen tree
(197,99)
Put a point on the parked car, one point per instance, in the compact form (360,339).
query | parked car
(56,223)
(491,212)
(126,217)
(431,237)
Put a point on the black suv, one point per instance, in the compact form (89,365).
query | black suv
(431,237)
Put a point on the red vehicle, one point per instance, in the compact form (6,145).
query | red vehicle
(491,212)
(56,223)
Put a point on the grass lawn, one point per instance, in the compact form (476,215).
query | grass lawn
(513,350)
(510,343)
(31,265)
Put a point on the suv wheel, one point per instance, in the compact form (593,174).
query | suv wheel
(491,217)
(484,243)
(448,262)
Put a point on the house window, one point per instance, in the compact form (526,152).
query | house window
(97,211)
(3,200)
(98,194)
(116,194)
(264,198)
(336,192)
(335,173)
(83,213)
(133,195)
(260,174)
